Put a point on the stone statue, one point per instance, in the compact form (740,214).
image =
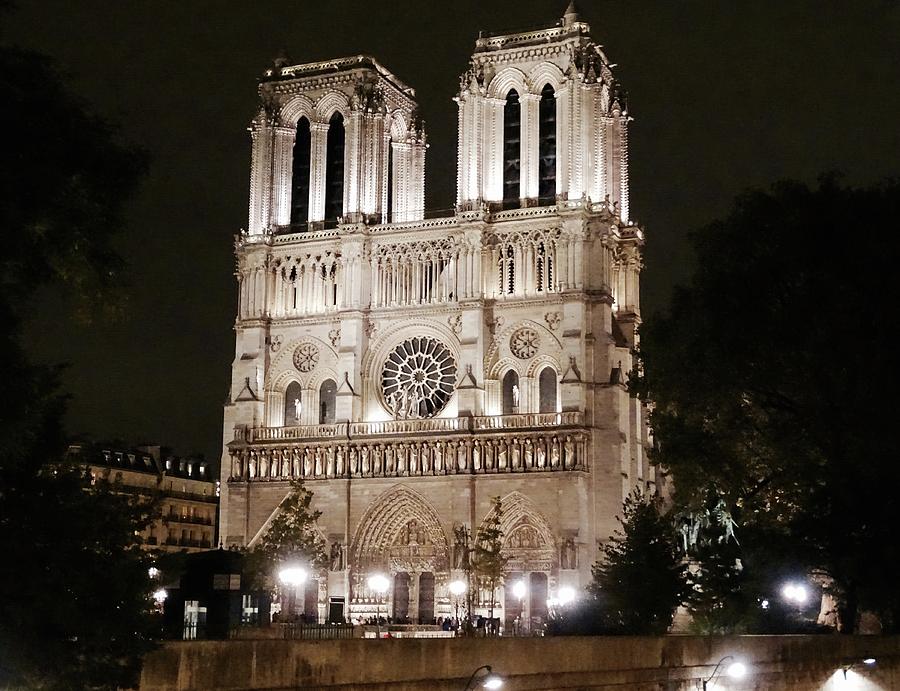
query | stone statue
(307,462)
(318,461)
(569,556)
(476,456)
(541,454)
(554,453)
(389,459)
(569,449)
(337,556)
(339,462)
(515,396)
(439,457)
(285,463)
(329,461)
(295,462)
(414,459)
(298,408)
(364,459)
(263,464)
(376,459)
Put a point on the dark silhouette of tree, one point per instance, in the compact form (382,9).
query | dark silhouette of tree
(640,578)
(488,561)
(291,537)
(770,381)
(76,611)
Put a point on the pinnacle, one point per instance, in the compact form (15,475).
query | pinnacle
(571,14)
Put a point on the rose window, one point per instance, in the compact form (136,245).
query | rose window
(306,357)
(418,378)
(524,343)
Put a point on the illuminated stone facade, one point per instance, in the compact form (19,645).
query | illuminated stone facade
(410,369)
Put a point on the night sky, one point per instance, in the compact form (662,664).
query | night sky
(725,95)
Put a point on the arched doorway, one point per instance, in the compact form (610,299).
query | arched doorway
(293,404)
(400,535)
(510,392)
(327,398)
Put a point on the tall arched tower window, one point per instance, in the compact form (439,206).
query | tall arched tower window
(512,153)
(327,394)
(300,176)
(510,393)
(547,145)
(389,212)
(547,390)
(334,169)
(292,404)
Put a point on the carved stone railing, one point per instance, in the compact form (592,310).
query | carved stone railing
(429,426)
(522,420)
(549,450)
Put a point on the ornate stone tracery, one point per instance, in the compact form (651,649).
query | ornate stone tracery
(418,378)
(306,357)
(524,343)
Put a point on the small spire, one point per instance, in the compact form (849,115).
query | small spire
(571,14)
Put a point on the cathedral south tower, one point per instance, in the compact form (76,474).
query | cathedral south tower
(410,369)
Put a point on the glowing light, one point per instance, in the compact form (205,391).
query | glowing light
(160,596)
(492,681)
(869,661)
(153,572)
(292,575)
(457,588)
(566,595)
(793,592)
(379,583)
(736,670)
(519,589)
(764,604)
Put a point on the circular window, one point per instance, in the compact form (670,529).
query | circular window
(524,343)
(306,357)
(418,378)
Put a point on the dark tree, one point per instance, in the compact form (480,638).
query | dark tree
(488,561)
(292,536)
(640,579)
(770,378)
(76,611)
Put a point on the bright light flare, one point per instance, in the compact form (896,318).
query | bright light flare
(153,572)
(160,596)
(793,592)
(378,583)
(457,587)
(519,589)
(492,681)
(736,670)
(869,661)
(566,595)
(293,575)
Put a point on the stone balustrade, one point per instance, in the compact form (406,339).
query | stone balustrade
(562,449)
(429,426)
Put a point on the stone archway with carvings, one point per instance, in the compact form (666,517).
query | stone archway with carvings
(400,531)
(528,539)
(400,535)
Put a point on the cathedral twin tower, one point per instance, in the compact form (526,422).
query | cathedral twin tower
(410,370)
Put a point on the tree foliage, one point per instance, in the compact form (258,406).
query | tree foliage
(488,561)
(292,536)
(76,611)
(640,579)
(767,378)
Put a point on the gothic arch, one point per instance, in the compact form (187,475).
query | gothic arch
(539,362)
(498,351)
(298,106)
(527,536)
(545,73)
(382,538)
(331,102)
(506,79)
(398,126)
(377,354)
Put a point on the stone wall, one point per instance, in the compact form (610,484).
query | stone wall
(672,663)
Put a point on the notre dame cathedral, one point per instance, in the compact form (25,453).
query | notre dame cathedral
(408,368)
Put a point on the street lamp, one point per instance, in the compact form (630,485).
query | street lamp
(378,584)
(566,595)
(796,593)
(736,670)
(488,681)
(457,588)
(293,576)
(519,590)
